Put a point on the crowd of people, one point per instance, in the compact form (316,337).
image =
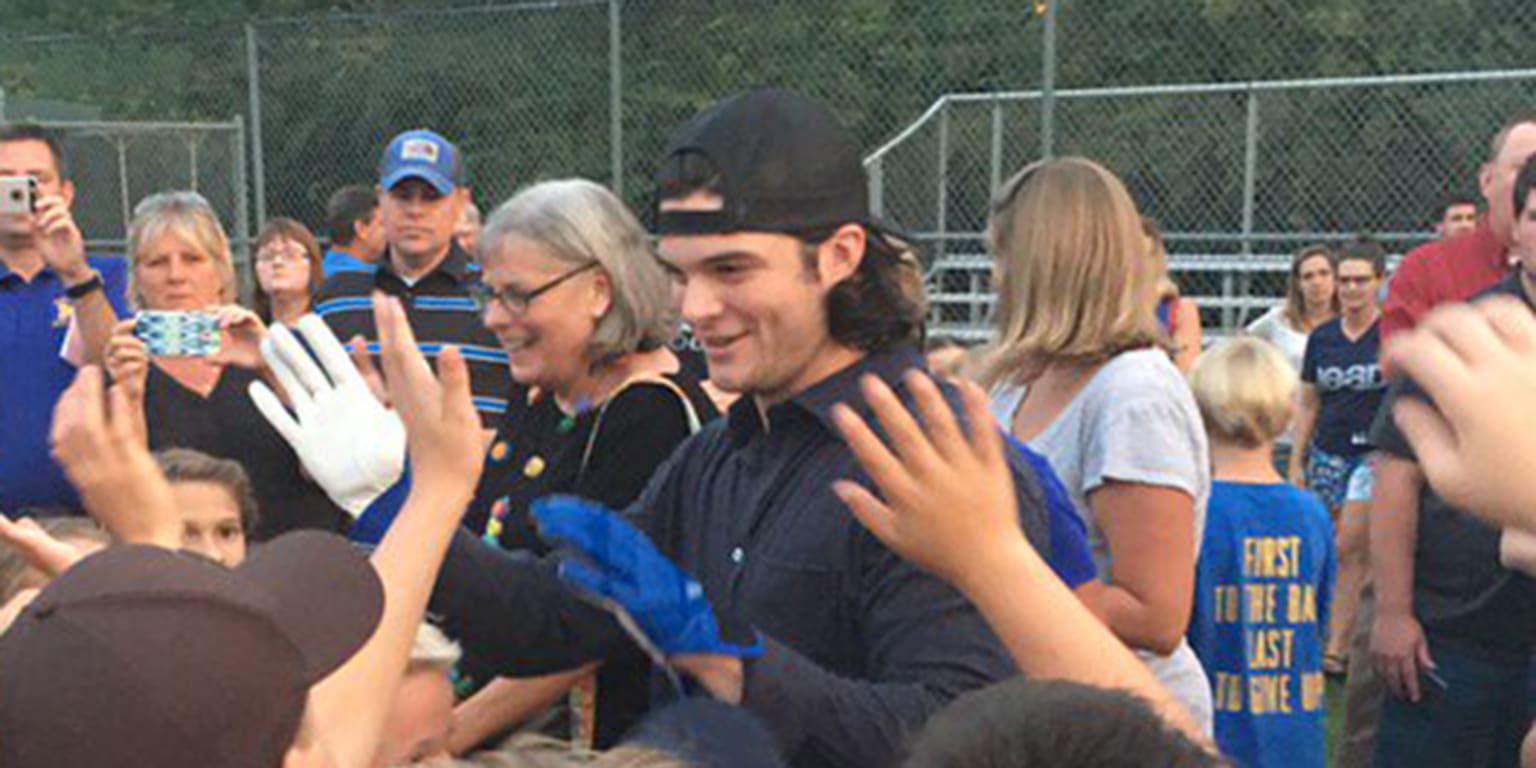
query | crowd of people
(568,485)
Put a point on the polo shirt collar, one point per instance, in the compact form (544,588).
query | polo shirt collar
(457,266)
(7,274)
(816,401)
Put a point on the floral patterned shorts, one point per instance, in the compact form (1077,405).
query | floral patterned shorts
(1331,476)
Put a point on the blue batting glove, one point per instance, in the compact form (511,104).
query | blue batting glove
(618,565)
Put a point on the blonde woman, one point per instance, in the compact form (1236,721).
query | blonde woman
(179,260)
(1079,373)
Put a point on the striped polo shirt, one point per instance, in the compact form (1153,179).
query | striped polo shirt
(441,313)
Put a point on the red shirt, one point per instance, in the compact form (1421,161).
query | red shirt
(1442,271)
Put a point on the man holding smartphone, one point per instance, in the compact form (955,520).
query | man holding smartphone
(57,309)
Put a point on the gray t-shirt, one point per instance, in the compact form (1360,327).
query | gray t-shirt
(1135,422)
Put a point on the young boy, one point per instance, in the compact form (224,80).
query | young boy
(1265,574)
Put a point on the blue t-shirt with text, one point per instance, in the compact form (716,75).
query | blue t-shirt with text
(1263,586)
(1349,386)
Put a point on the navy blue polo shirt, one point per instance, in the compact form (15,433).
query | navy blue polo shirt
(861,646)
(34,316)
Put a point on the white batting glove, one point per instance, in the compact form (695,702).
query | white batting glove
(351,445)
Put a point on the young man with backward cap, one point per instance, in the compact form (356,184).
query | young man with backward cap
(782,603)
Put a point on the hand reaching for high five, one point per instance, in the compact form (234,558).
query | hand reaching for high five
(1477,362)
(441,425)
(351,445)
(105,459)
(948,506)
(948,496)
(443,433)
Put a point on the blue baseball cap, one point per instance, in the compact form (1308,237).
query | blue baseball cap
(425,155)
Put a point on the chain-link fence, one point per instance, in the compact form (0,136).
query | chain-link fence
(1239,176)
(144,112)
(525,91)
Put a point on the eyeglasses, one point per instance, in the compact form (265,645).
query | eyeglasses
(516,301)
(274,255)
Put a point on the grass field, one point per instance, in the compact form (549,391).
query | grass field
(1335,694)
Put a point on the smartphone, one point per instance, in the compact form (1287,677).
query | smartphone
(178,333)
(18,194)
(1434,679)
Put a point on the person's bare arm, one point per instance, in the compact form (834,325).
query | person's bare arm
(127,362)
(15,606)
(1188,336)
(95,439)
(1398,647)
(1149,530)
(1307,404)
(947,504)
(50,556)
(443,433)
(506,702)
(63,249)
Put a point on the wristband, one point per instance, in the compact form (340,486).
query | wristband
(374,521)
(84,289)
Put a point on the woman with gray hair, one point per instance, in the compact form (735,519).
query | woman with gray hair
(179,261)
(584,310)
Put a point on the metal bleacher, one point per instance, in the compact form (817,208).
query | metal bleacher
(1230,289)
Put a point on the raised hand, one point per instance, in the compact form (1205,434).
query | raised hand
(441,424)
(351,445)
(59,239)
(357,347)
(948,496)
(443,433)
(94,439)
(1478,364)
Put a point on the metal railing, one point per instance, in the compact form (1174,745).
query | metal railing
(1240,174)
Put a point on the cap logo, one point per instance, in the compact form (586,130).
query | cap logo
(419,149)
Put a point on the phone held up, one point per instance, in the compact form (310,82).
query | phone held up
(18,194)
(178,333)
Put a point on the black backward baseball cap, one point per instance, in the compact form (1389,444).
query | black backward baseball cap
(784,164)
